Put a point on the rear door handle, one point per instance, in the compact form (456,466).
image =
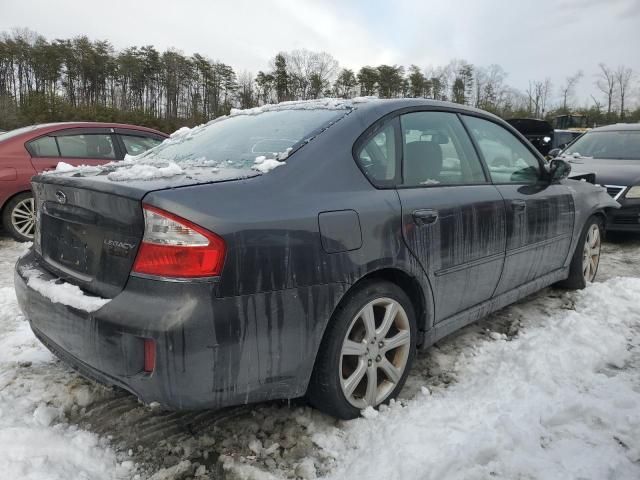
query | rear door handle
(519,205)
(425,216)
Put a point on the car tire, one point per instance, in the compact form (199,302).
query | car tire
(18,217)
(586,258)
(352,353)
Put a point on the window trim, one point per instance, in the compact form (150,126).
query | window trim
(543,173)
(460,112)
(369,134)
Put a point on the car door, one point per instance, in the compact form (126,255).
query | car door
(76,146)
(453,218)
(539,214)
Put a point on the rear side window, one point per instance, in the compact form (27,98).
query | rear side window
(98,146)
(377,156)
(508,159)
(135,145)
(437,151)
(43,147)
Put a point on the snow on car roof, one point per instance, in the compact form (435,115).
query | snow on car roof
(317,104)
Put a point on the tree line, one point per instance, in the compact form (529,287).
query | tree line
(80,79)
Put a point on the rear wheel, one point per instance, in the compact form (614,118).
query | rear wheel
(19,217)
(586,258)
(366,352)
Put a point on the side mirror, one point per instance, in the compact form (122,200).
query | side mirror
(559,169)
(554,152)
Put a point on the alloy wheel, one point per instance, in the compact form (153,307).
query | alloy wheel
(591,253)
(374,353)
(23,217)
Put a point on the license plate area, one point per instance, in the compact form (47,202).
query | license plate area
(70,246)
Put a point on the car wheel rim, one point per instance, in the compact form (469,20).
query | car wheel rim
(374,353)
(591,253)
(23,217)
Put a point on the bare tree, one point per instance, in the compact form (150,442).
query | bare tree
(623,78)
(568,89)
(310,73)
(606,83)
(538,93)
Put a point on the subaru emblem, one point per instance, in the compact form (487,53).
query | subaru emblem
(61,197)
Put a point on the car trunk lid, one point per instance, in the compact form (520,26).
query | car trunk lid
(89,229)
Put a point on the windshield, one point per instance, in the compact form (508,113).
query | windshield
(239,140)
(608,145)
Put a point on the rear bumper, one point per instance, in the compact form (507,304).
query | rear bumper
(210,352)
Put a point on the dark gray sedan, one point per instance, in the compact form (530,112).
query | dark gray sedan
(612,153)
(299,249)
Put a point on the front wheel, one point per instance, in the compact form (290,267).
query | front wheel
(19,217)
(586,258)
(366,353)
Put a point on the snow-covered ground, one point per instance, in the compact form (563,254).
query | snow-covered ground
(546,389)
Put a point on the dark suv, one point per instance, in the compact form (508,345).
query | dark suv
(30,150)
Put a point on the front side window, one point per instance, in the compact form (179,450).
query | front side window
(86,146)
(135,145)
(43,147)
(377,156)
(437,151)
(508,159)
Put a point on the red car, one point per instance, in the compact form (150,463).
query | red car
(30,150)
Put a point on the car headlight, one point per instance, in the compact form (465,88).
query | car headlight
(634,192)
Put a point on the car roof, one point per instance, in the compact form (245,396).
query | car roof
(44,128)
(618,127)
(371,108)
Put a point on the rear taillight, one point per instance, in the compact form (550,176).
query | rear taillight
(176,248)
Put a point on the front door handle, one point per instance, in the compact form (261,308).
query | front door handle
(519,205)
(425,216)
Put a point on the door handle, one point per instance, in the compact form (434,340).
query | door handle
(425,216)
(519,205)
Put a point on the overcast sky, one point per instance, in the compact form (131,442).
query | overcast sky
(529,39)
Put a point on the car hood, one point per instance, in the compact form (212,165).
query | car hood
(608,172)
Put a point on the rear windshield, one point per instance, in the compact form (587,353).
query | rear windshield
(608,145)
(237,141)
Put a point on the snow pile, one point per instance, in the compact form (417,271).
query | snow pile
(36,396)
(145,171)
(264,164)
(64,167)
(557,401)
(63,292)
(319,104)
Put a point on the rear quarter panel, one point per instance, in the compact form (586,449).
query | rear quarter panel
(15,169)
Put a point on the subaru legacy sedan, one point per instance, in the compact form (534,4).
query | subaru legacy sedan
(305,248)
(27,151)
